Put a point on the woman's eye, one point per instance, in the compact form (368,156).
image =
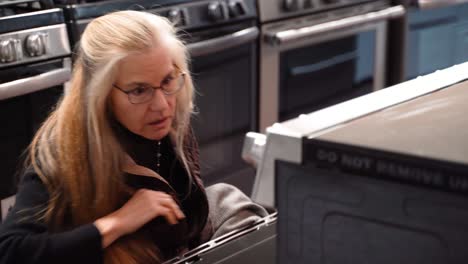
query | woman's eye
(167,81)
(139,90)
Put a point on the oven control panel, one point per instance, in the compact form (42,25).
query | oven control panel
(33,45)
(208,13)
(225,10)
(274,10)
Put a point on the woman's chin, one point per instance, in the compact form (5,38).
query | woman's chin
(156,135)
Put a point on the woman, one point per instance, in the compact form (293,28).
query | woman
(113,172)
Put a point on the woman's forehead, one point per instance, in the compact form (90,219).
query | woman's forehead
(149,66)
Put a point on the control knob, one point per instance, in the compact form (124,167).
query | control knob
(36,44)
(10,50)
(236,8)
(216,11)
(290,5)
(176,16)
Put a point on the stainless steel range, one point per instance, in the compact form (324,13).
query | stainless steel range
(316,53)
(34,65)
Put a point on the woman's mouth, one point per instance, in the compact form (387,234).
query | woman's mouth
(159,122)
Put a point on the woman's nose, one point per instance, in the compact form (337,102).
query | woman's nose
(159,101)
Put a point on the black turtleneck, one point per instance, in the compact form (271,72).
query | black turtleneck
(144,152)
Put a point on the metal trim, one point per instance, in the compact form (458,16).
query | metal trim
(283,37)
(223,43)
(35,83)
(428,4)
(58,43)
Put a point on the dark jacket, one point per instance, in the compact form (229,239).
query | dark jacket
(25,239)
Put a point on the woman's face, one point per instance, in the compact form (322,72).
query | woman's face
(151,119)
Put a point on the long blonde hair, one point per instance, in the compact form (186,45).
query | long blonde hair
(76,152)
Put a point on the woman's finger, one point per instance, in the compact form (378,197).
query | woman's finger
(170,203)
(169,214)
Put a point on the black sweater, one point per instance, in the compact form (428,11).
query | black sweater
(25,239)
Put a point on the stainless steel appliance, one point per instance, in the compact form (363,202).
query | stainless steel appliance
(222,40)
(318,53)
(224,60)
(426,4)
(251,244)
(382,178)
(34,65)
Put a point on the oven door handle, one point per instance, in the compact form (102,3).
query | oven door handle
(429,4)
(222,43)
(34,83)
(286,36)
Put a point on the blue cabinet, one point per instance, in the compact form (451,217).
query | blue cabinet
(438,38)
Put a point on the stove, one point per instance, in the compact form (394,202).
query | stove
(317,53)
(34,65)
(31,31)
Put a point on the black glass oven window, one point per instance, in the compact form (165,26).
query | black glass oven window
(323,74)
(226,87)
(20,117)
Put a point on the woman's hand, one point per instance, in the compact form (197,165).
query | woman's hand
(144,206)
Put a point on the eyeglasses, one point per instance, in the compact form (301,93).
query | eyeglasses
(144,93)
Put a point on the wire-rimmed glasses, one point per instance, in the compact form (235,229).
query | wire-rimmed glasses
(144,93)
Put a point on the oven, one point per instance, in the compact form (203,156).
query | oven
(222,38)
(346,194)
(224,67)
(34,66)
(315,54)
